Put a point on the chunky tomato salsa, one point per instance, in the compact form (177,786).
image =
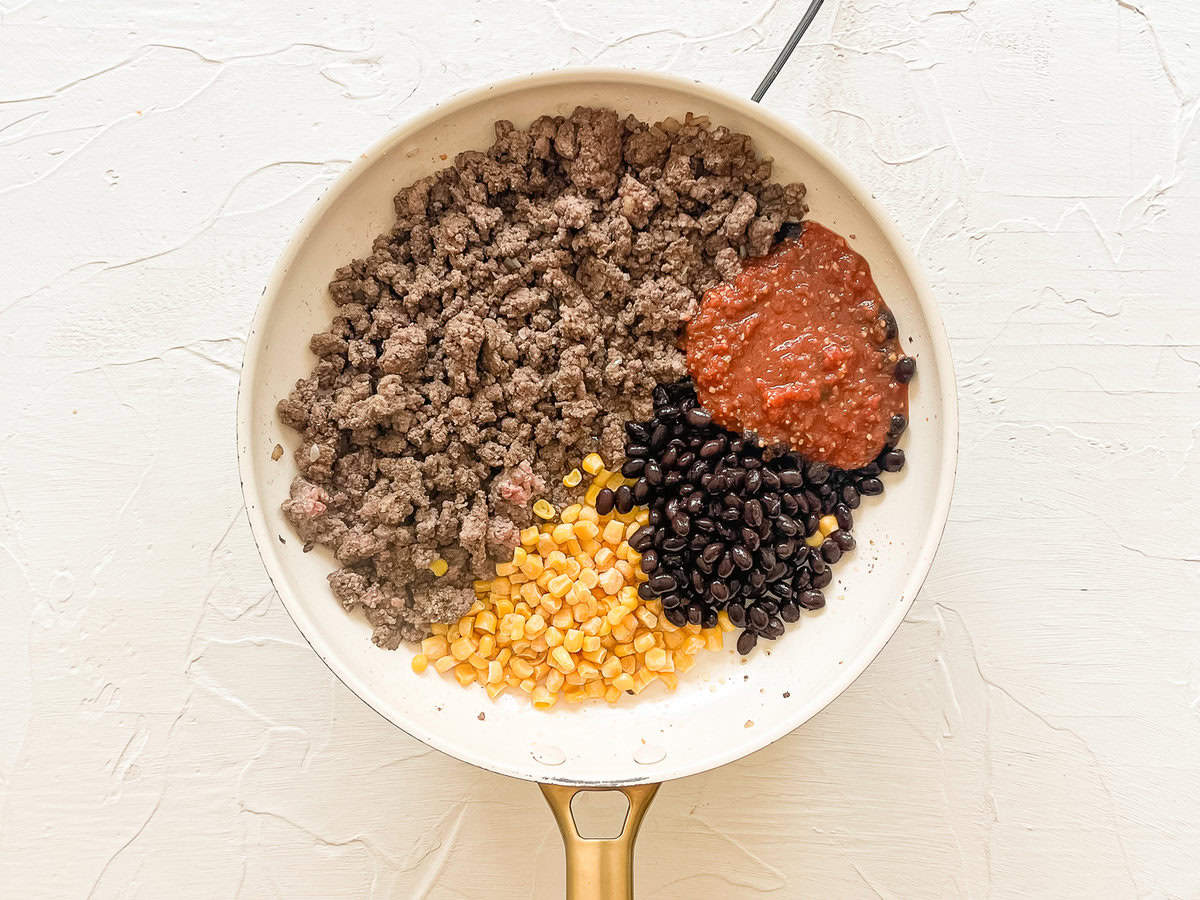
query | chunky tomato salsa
(800,349)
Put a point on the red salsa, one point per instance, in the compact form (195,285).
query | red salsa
(800,348)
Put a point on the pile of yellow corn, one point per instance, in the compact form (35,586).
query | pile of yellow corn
(563,618)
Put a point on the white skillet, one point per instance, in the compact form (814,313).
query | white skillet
(727,706)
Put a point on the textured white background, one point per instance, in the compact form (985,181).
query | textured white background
(1032,730)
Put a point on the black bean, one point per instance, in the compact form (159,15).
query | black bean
(893,460)
(844,518)
(752,512)
(741,557)
(681,524)
(812,502)
(732,515)
(898,424)
(636,451)
(704,523)
(713,552)
(642,539)
(789,612)
(812,599)
(661,584)
(605,501)
(676,616)
(672,478)
(737,445)
(633,468)
(770,607)
(650,561)
(725,566)
(695,613)
(787,525)
(685,460)
(695,504)
(811,524)
(770,480)
(822,579)
(774,629)
(756,579)
(746,641)
(660,396)
(624,499)
(785,548)
(766,558)
(801,579)
(718,591)
(636,432)
(771,505)
(758,616)
(712,448)
(653,472)
(671,600)
(737,614)
(816,562)
(667,413)
(888,322)
(790,504)
(777,571)
(818,472)
(668,457)
(753,480)
(658,437)
(698,417)
(869,487)
(645,591)
(844,539)
(750,538)
(699,585)
(641,491)
(674,544)
(850,496)
(791,477)
(906,368)
(782,590)
(735,586)
(831,551)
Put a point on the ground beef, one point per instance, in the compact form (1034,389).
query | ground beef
(522,308)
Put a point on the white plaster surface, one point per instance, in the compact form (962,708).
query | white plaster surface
(1033,730)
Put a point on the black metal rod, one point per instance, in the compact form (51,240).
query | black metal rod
(782,58)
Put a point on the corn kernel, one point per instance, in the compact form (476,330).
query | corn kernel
(572,478)
(445,664)
(495,690)
(591,643)
(520,667)
(420,663)
(585,530)
(612,695)
(714,638)
(559,585)
(561,659)
(465,673)
(723,622)
(827,524)
(554,679)
(647,618)
(643,642)
(573,640)
(554,637)
(613,532)
(529,536)
(534,625)
(439,567)
(435,647)
(592,463)
(504,569)
(815,539)
(543,509)
(527,685)
(542,698)
(590,497)
(624,682)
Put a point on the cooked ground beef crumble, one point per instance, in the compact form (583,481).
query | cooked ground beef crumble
(522,308)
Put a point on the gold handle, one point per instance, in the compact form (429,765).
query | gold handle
(599,869)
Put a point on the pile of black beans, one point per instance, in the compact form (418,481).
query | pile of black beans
(729,519)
